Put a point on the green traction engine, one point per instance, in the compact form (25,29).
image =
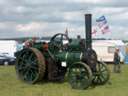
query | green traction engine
(62,57)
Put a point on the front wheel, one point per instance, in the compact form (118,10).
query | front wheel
(79,75)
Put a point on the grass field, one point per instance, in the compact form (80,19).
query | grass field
(11,86)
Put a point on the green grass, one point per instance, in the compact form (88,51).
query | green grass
(11,86)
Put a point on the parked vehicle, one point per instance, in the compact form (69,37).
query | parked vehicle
(6,60)
(105,49)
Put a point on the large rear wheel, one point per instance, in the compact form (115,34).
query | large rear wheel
(30,65)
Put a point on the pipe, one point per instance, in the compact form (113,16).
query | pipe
(88,30)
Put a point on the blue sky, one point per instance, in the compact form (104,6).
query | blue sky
(19,18)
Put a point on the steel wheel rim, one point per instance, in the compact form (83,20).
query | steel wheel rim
(79,76)
(102,74)
(28,65)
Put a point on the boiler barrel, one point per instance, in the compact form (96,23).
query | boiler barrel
(70,56)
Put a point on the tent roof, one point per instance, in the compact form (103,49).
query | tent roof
(108,43)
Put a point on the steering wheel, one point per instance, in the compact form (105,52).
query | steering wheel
(57,40)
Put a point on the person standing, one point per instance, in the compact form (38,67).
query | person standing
(117,66)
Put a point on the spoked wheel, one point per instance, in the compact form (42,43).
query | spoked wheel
(79,76)
(102,74)
(30,65)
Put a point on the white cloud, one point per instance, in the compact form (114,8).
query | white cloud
(20,9)
(107,10)
(91,1)
(33,26)
(73,15)
(121,16)
(7,25)
(47,17)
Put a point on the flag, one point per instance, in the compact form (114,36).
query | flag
(102,24)
(102,18)
(101,21)
(94,30)
(105,29)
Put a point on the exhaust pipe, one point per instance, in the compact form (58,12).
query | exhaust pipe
(88,30)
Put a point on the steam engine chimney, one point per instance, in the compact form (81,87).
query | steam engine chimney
(88,30)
